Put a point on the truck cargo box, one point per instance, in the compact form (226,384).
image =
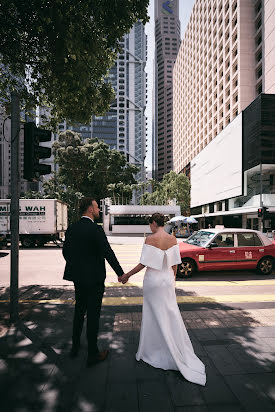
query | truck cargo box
(39,219)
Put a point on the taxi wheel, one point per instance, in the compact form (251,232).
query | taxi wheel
(186,268)
(265,266)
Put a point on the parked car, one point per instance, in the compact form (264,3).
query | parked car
(226,249)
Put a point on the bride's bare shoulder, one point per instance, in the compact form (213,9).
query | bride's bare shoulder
(149,240)
(172,239)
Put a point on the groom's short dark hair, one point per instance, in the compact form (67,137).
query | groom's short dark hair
(158,218)
(85,203)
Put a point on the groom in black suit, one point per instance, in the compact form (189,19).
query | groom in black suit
(85,249)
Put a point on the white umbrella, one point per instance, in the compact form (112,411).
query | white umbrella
(176,219)
(190,219)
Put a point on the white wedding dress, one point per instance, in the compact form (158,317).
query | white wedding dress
(164,342)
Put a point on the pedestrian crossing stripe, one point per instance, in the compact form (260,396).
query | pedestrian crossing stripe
(138,300)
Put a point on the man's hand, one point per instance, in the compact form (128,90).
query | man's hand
(120,278)
(124,278)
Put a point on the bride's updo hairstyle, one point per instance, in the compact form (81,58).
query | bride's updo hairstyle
(158,218)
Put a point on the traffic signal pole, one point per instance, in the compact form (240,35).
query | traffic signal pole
(14,207)
(261,197)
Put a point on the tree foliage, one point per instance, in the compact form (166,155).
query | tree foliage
(57,53)
(90,167)
(54,189)
(173,186)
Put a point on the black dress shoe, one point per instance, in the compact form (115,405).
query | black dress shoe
(99,357)
(74,352)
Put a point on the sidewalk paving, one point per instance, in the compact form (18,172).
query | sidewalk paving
(36,374)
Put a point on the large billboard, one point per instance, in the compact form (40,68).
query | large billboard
(216,172)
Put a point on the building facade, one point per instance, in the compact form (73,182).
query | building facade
(225,67)
(167,38)
(124,126)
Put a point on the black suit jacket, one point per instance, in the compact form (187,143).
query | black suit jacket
(85,249)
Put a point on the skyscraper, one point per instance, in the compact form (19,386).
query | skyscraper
(124,126)
(224,62)
(224,116)
(167,37)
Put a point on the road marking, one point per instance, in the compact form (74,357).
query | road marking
(137,300)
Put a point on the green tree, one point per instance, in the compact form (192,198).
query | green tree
(55,189)
(120,193)
(173,186)
(90,167)
(57,53)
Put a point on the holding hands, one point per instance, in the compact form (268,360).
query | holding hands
(124,278)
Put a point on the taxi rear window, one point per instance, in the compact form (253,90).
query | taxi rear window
(248,239)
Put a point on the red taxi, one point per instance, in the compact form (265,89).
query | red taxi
(226,249)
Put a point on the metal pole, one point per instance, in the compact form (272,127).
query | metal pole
(261,197)
(14,208)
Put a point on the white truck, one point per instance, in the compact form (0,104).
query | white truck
(40,221)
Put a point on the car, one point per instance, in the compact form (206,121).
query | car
(226,249)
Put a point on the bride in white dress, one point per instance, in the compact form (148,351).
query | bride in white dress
(164,342)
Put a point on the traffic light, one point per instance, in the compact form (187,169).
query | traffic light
(33,152)
(262,212)
(107,209)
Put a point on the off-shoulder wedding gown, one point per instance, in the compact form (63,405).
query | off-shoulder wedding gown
(164,342)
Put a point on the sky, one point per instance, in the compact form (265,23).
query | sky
(185,9)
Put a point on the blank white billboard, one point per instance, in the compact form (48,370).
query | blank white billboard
(216,172)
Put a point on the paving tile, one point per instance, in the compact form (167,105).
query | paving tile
(25,389)
(265,331)
(191,409)
(197,345)
(248,393)
(210,368)
(145,372)
(41,292)
(183,392)
(121,398)
(188,315)
(89,397)
(216,391)
(266,312)
(195,324)
(204,334)
(205,314)
(214,322)
(265,383)
(122,366)
(224,333)
(270,342)
(225,408)
(250,361)
(258,344)
(154,396)
(223,360)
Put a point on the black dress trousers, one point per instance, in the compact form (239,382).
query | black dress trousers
(88,299)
